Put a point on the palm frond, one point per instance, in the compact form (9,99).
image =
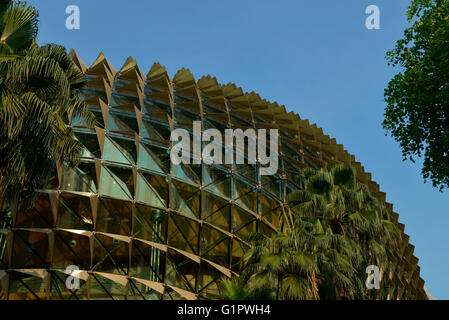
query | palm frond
(343,175)
(20,27)
(296,287)
(320,183)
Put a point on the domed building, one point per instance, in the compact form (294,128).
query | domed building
(139,227)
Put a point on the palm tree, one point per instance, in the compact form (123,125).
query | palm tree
(300,264)
(276,266)
(39,95)
(332,230)
(350,211)
(18,29)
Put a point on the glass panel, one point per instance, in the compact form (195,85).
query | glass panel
(26,287)
(247,171)
(112,186)
(273,185)
(59,291)
(152,189)
(216,180)
(149,224)
(186,271)
(110,255)
(243,222)
(139,291)
(115,124)
(112,152)
(126,177)
(190,173)
(147,263)
(185,198)
(77,180)
(155,131)
(244,194)
(183,234)
(127,119)
(207,281)
(90,141)
(238,250)
(71,249)
(270,209)
(103,288)
(216,211)
(30,250)
(74,212)
(150,160)
(114,217)
(126,147)
(214,246)
(39,216)
(170,294)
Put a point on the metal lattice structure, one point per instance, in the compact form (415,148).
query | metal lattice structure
(139,227)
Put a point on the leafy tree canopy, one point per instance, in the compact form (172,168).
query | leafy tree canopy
(417,111)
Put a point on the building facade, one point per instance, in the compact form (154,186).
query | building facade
(138,227)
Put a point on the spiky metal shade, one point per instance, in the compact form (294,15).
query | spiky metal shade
(141,228)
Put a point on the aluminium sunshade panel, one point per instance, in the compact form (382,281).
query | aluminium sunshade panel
(140,228)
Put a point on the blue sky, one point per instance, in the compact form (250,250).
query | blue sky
(315,57)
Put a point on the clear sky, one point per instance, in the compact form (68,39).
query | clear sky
(315,57)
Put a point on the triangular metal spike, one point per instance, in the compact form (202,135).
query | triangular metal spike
(101,59)
(78,61)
